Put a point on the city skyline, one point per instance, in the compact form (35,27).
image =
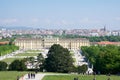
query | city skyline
(61,14)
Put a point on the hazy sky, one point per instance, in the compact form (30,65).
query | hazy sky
(61,14)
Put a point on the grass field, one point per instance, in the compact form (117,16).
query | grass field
(27,54)
(10,75)
(9,60)
(72,53)
(80,77)
(33,51)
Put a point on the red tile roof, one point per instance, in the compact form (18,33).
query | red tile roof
(107,43)
(5,42)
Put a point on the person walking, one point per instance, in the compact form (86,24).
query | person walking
(34,75)
(29,76)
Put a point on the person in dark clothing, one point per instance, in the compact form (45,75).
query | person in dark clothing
(29,76)
(34,75)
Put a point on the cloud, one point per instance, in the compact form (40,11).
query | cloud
(64,22)
(35,20)
(50,22)
(117,18)
(8,21)
(89,21)
(47,21)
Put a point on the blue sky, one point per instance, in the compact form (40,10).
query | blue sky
(61,14)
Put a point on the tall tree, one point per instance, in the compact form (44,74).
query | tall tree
(82,69)
(40,60)
(58,59)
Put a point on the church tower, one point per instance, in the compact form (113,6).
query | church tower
(104,28)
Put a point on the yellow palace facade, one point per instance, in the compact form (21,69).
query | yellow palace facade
(45,43)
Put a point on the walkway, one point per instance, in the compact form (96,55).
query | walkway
(11,54)
(39,76)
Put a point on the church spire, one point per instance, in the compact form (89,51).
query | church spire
(104,28)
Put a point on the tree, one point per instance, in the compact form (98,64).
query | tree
(40,60)
(3,66)
(82,69)
(23,66)
(18,65)
(105,59)
(32,60)
(58,59)
(5,49)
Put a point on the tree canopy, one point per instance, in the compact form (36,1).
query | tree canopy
(18,65)
(40,60)
(82,69)
(58,59)
(5,49)
(106,59)
(3,66)
(91,38)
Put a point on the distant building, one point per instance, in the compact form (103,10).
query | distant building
(4,42)
(104,43)
(103,29)
(94,34)
(115,33)
(40,43)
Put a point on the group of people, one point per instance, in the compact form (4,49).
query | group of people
(31,75)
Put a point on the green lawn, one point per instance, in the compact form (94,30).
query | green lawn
(10,75)
(80,77)
(27,54)
(9,60)
(74,59)
(34,51)
(71,53)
